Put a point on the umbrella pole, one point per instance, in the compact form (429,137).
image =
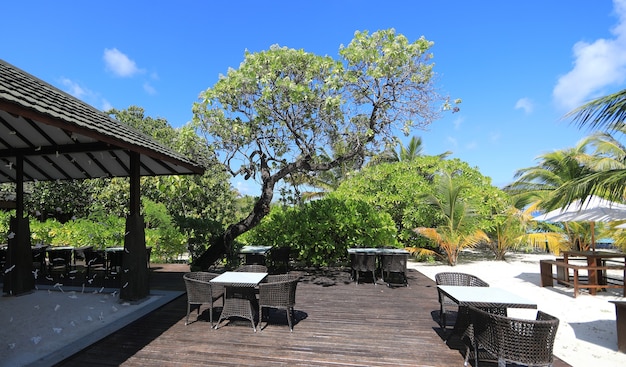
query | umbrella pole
(593,236)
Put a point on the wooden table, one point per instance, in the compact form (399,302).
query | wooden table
(481,297)
(239,295)
(598,259)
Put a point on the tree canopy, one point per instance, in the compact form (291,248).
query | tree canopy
(270,118)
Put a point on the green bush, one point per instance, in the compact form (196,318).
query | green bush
(320,232)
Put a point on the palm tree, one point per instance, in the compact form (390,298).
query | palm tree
(405,153)
(457,231)
(607,113)
(539,186)
(554,170)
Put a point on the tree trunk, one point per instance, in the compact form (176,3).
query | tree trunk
(224,245)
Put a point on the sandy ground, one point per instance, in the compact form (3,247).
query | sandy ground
(46,326)
(587,333)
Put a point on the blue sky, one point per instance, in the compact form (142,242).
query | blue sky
(518,66)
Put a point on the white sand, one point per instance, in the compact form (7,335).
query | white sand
(587,333)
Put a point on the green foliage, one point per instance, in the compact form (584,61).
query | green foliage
(399,189)
(58,199)
(97,232)
(166,240)
(321,231)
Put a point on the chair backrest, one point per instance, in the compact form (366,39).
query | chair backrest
(199,290)
(528,342)
(252,268)
(61,257)
(115,258)
(279,257)
(278,293)
(79,252)
(459,279)
(364,262)
(94,257)
(394,263)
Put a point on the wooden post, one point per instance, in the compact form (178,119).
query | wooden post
(18,278)
(546,274)
(620,323)
(135,283)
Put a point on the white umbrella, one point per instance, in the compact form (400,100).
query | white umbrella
(593,209)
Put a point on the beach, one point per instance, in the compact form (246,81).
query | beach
(587,333)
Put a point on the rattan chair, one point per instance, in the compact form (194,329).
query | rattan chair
(459,279)
(200,291)
(278,291)
(279,259)
(252,268)
(363,263)
(95,261)
(59,261)
(394,264)
(507,339)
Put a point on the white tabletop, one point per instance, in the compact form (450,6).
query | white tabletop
(255,249)
(485,297)
(113,249)
(240,278)
(375,250)
(58,248)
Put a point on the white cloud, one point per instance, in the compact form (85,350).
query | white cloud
(73,88)
(119,64)
(452,141)
(243,187)
(149,89)
(597,65)
(458,122)
(106,105)
(472,145)
(524,104)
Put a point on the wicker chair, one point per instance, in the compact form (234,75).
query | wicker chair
(59,261)
(279,259)
(200,291)
(459,279)
(278,291)
(363,263)
(252,268)
(95,261)
(526,342)
(394,263)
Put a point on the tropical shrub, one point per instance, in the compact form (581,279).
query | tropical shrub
(399,189)
(321,231)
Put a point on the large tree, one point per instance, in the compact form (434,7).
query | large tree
(270,118)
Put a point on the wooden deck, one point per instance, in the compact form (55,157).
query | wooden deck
(337,324)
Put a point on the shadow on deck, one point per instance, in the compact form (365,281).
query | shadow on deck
(337,324)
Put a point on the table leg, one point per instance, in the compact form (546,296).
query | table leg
(592,276)
(239,302)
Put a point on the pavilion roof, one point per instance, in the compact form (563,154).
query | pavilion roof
(61,137)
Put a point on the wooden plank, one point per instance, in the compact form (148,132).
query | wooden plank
(337,323)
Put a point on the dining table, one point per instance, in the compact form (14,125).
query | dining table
(239,294)
(595,258)
(489,298)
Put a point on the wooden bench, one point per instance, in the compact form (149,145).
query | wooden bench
(593,283)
